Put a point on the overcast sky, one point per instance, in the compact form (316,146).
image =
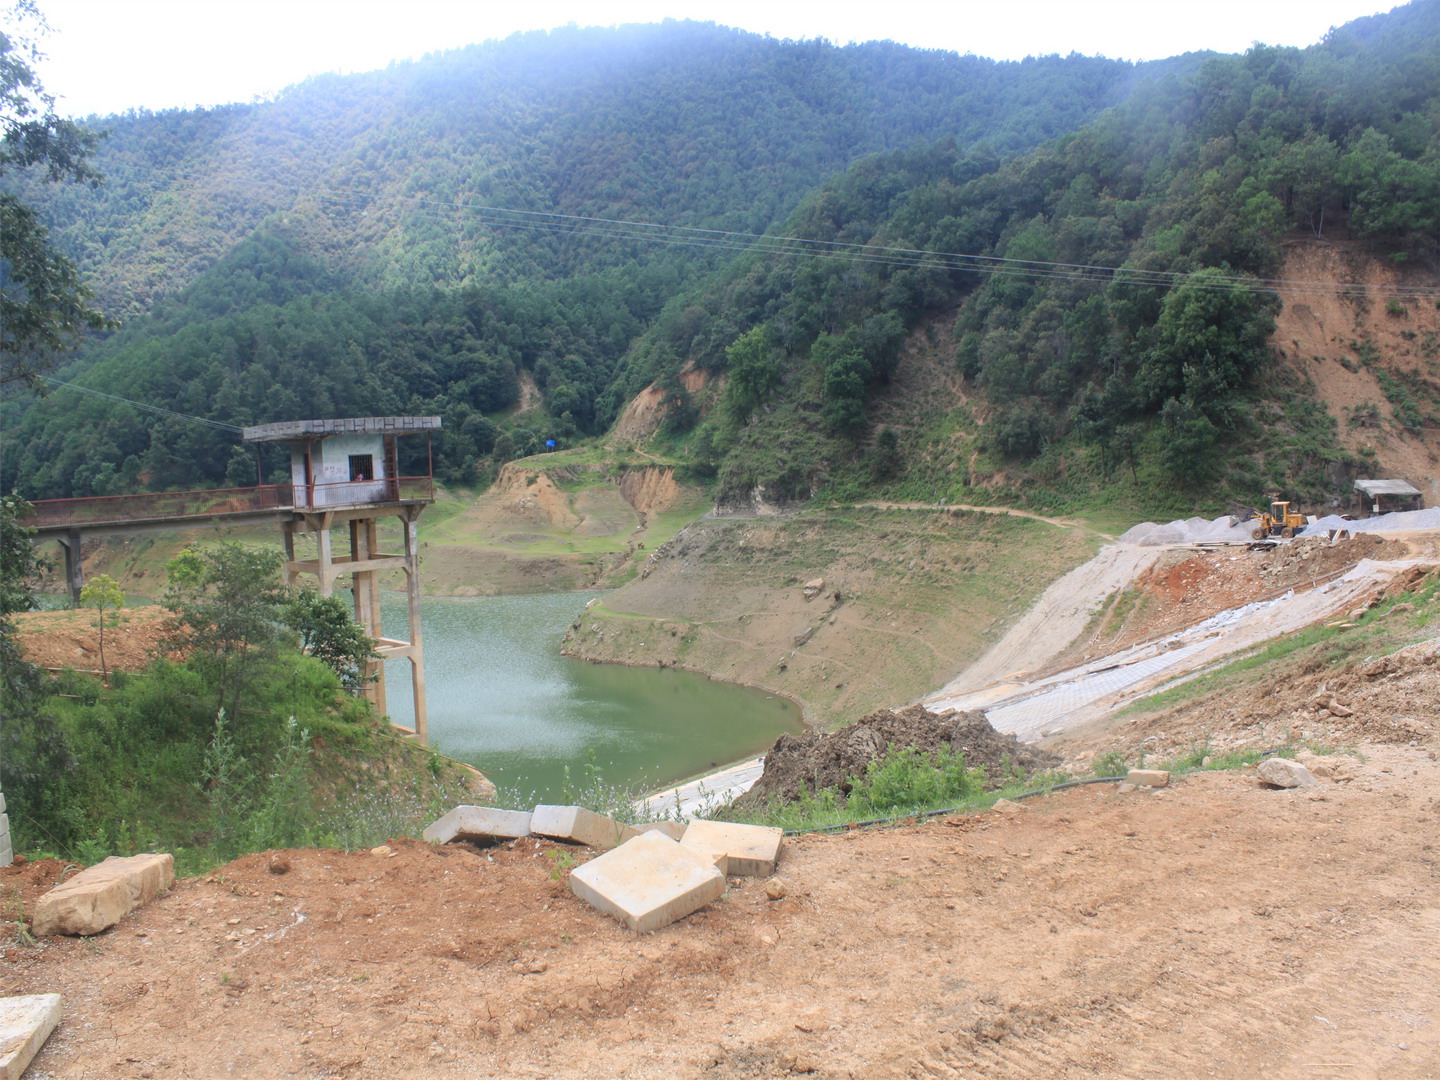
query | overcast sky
(107,56)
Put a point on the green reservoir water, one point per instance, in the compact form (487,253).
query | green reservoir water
(503,699)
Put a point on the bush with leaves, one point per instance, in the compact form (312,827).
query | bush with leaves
(329,633)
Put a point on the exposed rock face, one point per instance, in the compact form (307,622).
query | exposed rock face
(97,898)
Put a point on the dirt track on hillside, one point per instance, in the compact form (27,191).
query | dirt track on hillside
(1214,928)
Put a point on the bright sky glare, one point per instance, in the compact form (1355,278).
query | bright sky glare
(107,56)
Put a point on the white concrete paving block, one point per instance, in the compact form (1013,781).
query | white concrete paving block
(648,882)
(478,823)
(1147,777)
(750,850)
(673,829)
(97,898)
(25,1024)
(578,824)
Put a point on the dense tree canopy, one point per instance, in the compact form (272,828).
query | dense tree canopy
(44,307)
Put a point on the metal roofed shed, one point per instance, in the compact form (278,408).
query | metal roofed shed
(1387,496)
(346,462)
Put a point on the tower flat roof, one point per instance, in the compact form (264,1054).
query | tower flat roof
(290,430)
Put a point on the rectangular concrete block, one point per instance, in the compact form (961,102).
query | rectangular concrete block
(648,882)
(673,829)
(1147,777)
(750,850)
(577,824)
(478,823)
(25,1024)
(97,898)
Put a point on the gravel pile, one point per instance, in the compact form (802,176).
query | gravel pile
(1195,530)
(1411,519)
(1198,530)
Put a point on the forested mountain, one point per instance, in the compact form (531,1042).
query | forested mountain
(384,175)
(1186,189)
(385,243)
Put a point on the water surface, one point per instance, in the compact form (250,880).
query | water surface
(502,698)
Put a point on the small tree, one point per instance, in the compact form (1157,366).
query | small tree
(228,606)
(328,633)
(102,592)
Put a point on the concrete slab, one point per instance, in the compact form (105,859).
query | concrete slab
(478,823)
(577,824)
(648,882)
(1147,777)
(750,850)
(97,898)
(25,1024)
(673,829)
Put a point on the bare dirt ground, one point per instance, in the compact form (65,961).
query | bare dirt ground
(71,639)
(1213,928)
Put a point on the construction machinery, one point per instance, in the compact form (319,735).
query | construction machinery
(1279,520)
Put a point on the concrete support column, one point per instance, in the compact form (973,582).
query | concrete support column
(367,605)
(287,536)
(325,570)
(74,567)
(410,528)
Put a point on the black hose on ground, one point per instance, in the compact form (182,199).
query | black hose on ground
(954,809)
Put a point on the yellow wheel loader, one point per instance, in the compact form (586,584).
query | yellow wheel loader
(1279,520)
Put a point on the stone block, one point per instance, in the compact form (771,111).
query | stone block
(1147,777)
(750,850)
(478,823)
(97,898)
(1282,772)
(25,1024)
(648,882)
(673,829)
(1005,806)
(576,824)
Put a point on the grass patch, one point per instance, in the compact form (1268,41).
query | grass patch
(903,783)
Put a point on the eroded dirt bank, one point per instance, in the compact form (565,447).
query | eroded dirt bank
(1213,928)
(897,603)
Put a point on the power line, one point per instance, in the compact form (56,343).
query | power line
(142,405)
(652,232)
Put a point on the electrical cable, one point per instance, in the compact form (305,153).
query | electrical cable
(141,405)
(651,232)
(954,809)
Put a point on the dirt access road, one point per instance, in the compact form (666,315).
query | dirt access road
(1213,928)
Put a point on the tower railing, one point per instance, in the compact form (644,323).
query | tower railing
(216,502)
